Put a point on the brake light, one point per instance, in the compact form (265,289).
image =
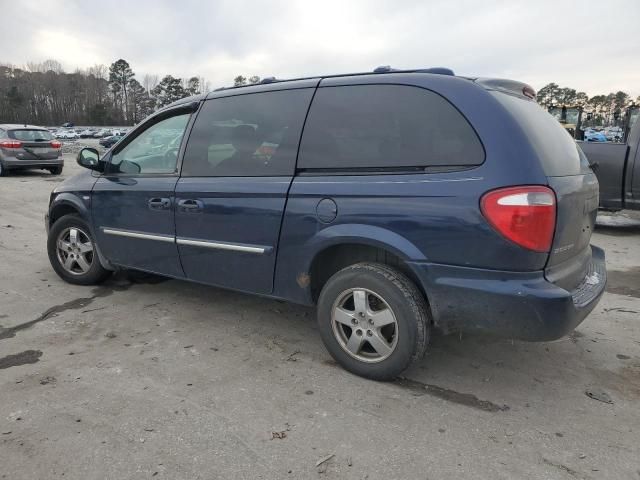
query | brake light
(56,144)
(10,144)
(524,215)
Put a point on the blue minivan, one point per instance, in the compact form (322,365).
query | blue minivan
(398,202)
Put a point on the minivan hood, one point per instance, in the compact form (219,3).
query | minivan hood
(82,181)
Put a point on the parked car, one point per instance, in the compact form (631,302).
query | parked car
(614,134)
(28,146)
(617,166)
(110,141)
(87,133)
(68,135)
(414,200)
(594,136)
(102,133)
(68,125)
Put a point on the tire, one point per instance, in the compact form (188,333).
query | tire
(3,171)
(388,298)
(55,170)
(85,271)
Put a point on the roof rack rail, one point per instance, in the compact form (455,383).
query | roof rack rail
(380,69)
(438,71)
(434,70)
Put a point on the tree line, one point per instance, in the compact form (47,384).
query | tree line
(609,109)
(43,94)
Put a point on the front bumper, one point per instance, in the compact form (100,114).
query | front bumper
(524,306)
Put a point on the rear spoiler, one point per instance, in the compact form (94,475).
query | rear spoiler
(511,87)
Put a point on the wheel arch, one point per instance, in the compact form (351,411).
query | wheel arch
(337,247)
(66,204)
(70,204)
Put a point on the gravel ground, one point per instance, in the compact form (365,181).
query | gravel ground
(145,378)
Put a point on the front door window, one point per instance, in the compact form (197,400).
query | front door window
(154,151)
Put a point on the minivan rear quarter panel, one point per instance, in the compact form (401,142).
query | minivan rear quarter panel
(435,214)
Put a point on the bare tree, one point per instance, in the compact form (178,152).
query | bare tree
(149,82)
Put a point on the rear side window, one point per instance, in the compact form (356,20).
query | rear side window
(557,151)
(30,135)
(386,126)
(248,135)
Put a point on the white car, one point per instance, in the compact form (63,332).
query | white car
(102,133)
(67,135)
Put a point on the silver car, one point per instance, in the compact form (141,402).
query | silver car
(28,146)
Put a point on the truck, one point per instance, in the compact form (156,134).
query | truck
(570,117)
(617,166)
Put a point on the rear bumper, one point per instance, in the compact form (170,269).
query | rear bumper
(35,163)
(524,306)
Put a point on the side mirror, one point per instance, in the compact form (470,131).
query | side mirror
(89,158)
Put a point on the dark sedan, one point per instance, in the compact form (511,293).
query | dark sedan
(110,141)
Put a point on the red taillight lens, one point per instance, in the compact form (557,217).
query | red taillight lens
(10,144)
(55,144)
(524,215)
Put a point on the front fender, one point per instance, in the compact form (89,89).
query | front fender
(65,201)
(80,203)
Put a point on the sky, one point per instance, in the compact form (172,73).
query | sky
(587,45)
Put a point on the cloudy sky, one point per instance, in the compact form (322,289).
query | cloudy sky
(587,45)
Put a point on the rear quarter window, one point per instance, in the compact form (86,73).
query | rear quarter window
(558,152)
(386,126)
(30,135)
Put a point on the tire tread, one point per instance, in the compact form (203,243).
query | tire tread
(415,300)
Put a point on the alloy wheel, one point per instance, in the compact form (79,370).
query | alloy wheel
(364,325)
(75,250)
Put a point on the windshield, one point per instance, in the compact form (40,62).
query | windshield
(30,135)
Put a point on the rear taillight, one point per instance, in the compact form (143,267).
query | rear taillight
(524,215)
(10,144)
(55,144)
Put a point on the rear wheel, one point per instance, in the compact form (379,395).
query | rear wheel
(373,320)
(3,171)
(73,252)
(56,170)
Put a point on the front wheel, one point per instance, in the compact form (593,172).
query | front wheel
(73,252)
(373,320)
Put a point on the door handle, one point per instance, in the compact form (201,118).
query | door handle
(190,205)
(159,203)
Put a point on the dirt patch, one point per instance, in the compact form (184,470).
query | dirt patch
(76,304)
(624,282)
(22,358)
(563,468)
(466,399)
(624,381)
